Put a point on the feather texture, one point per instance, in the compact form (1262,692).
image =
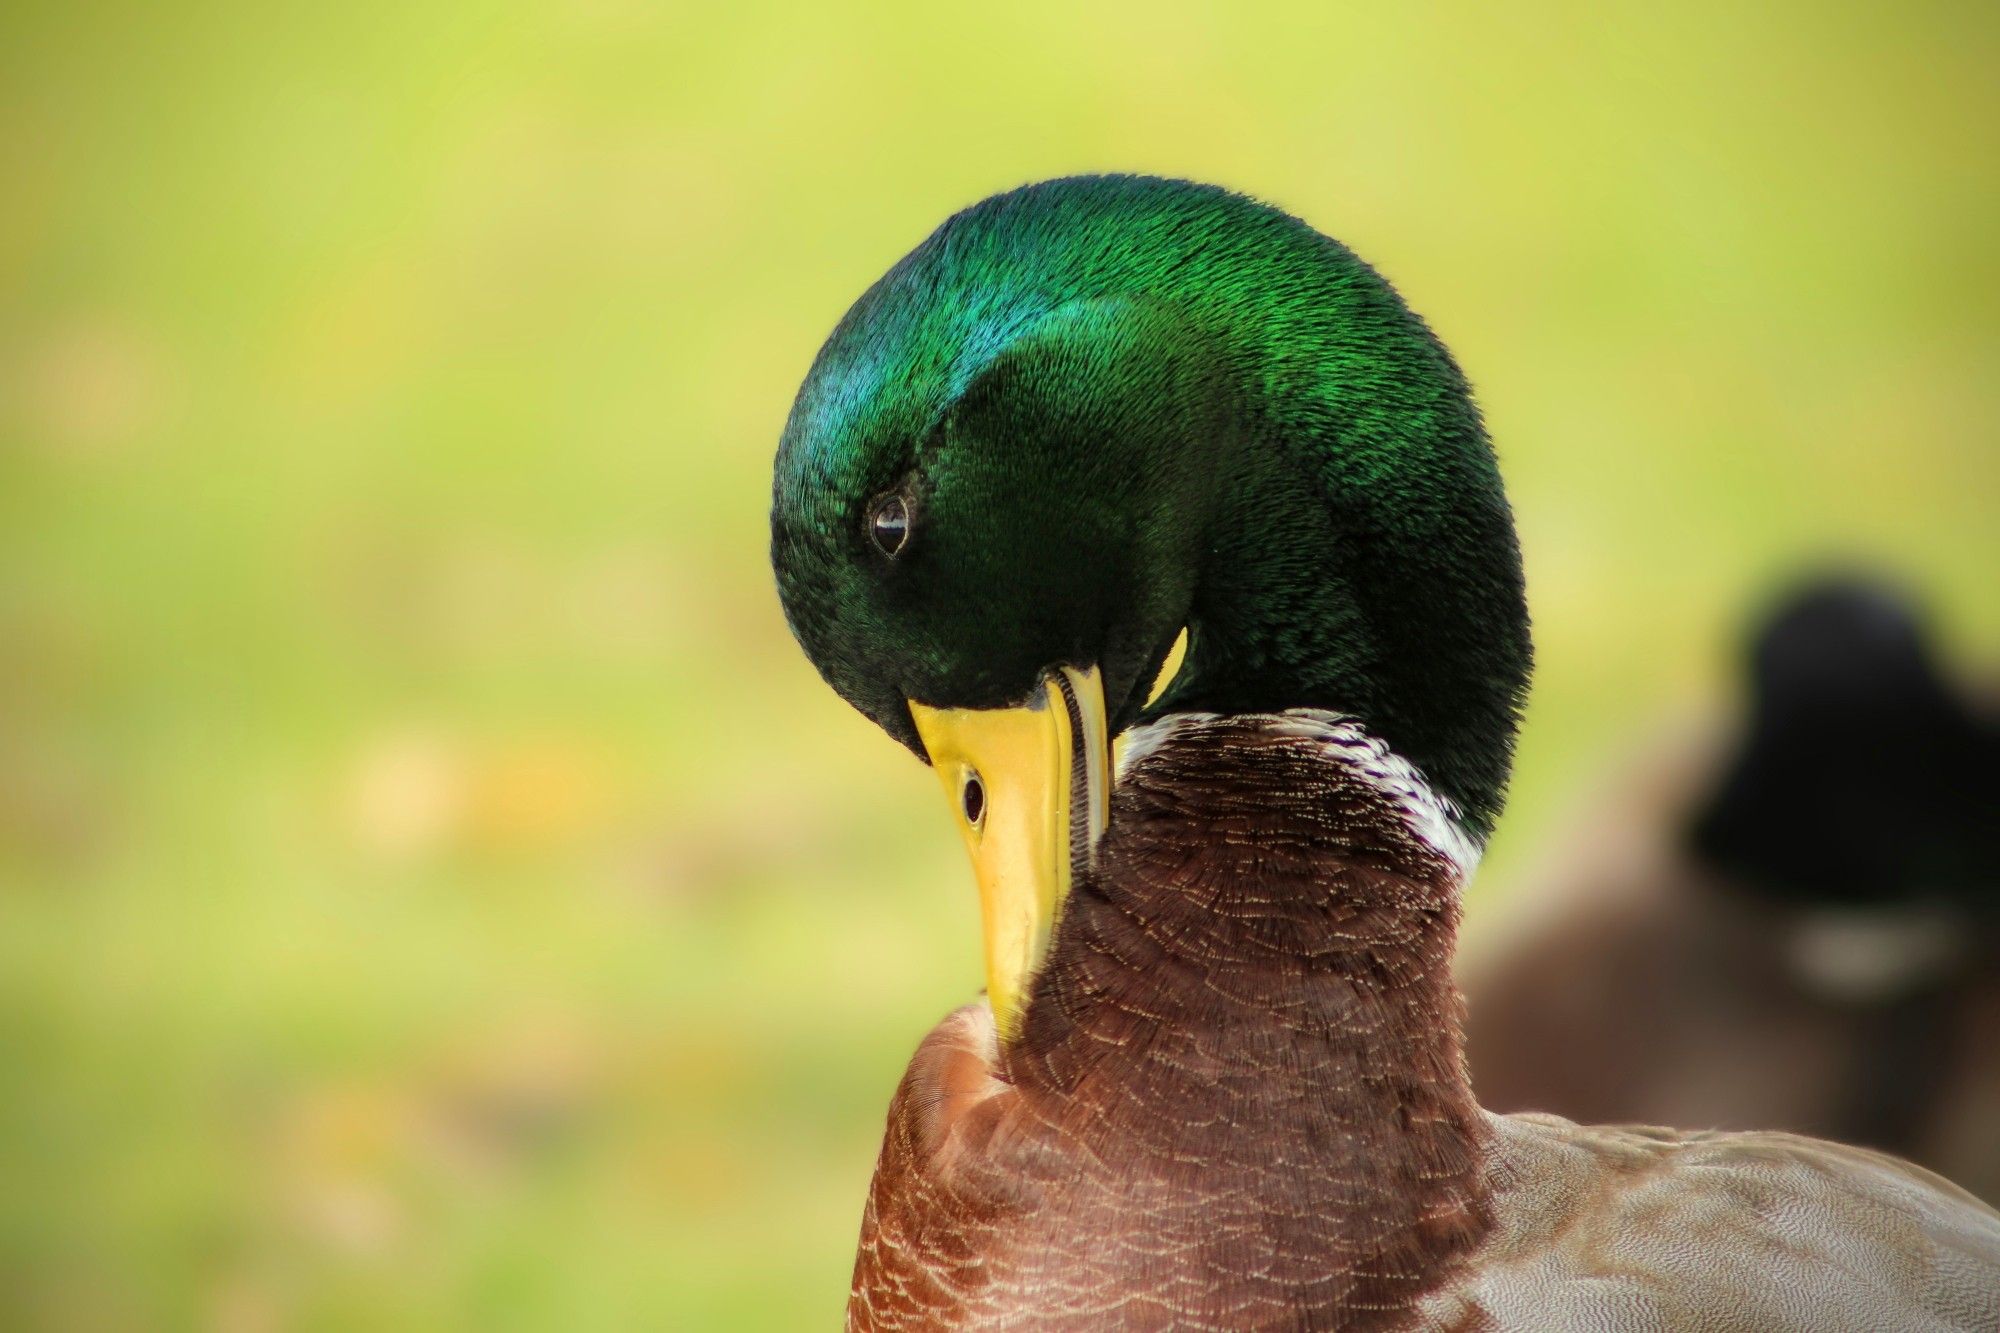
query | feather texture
(1239,1102)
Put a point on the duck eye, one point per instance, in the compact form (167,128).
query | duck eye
(889,523)
(972,796)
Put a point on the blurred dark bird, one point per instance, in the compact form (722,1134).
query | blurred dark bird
(1218,1084)
(1797,928)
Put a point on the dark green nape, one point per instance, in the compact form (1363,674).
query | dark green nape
(1118,405)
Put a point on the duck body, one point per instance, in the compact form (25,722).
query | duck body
(1217,1082)
(1237,1099)
(1239,1102)
(1790,922)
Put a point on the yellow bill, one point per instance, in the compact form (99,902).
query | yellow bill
(1169,669)
(1030,787)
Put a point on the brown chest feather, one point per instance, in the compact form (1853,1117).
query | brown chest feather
(1238,1100)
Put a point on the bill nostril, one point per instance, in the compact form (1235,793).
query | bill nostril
(972,796)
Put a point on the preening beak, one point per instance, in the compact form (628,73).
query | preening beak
(1030,788)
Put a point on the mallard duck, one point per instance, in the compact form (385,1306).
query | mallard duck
(1217,1082)
(1753,928)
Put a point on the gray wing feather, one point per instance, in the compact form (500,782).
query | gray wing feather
(1637,1229)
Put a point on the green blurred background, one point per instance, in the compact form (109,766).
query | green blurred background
(434,890)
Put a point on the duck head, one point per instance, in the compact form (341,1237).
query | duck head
(1088,415)
(1863,777)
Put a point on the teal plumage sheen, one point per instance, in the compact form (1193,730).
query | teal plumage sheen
(1121,405)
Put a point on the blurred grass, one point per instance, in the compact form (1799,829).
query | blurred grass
(434,892)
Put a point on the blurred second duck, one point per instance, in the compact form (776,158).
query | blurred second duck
(1796,927)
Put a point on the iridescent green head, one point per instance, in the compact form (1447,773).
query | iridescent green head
(1088,413)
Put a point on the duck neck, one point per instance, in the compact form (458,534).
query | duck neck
(1256,978)
(1336,579)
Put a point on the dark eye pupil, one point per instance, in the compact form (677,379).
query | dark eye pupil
(889,524)
(975,798)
